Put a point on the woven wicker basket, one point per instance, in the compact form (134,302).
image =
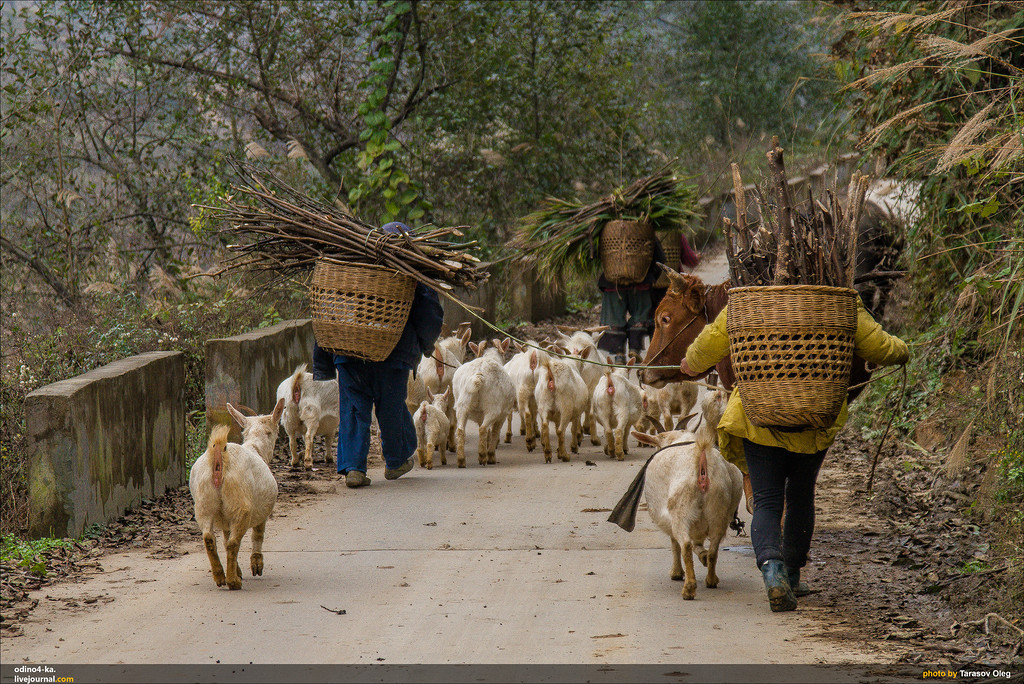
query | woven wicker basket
(672,244)
(627,248)
(358,309)
(791,349)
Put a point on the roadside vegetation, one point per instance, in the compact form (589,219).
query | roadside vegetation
(937,91)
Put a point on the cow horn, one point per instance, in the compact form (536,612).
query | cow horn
(674,276)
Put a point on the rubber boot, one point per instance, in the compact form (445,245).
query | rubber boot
(799,588)
(776,583)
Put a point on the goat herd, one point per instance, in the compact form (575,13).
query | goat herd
(692,492)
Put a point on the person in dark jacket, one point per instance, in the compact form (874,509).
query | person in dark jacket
(367,385)
(618,301)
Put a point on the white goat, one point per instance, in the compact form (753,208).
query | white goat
(310,409)
(676,399)
(617,406)
(522,369)
(650,419)
(692,494)
(583,344)
(432,425)
(234,490)
(562,398)
(434,372)
(484,394)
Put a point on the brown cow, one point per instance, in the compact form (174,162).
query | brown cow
(687,307)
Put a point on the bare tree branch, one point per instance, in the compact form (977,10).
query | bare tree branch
(44,271)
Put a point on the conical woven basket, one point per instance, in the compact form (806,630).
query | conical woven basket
(359,310)
(791,349)
(627,248)
(672,245)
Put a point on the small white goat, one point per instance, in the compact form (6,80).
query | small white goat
(234,491)
(484,394)
(522,369)
(617,406)
(431,420)
(676,399)
(651,412)
(692,494)
(310,409)
(562,398)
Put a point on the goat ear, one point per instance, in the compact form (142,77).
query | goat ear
(430,396)
(475,348)
(598,335)
(464,338)
(631,362)
(447,393)
(278,409)
(519,348)
(646,439)
(585,352)
(239,418)
(504,345)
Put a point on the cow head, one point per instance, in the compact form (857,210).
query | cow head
(686,308)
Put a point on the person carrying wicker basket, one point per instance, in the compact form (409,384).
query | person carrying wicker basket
(632,300)
(783,463)
(367,385)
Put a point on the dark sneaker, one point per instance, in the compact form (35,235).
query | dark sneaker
(356,478)
(776,583)
(398,472)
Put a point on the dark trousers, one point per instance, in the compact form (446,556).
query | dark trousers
(362,388)
(779,476)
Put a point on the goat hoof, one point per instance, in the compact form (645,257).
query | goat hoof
(256,564)
(677,578)
(711,583)
(491,460)
(235,585)
(444,461)
(690,591)
(702,556)
(219,579)
(428,465)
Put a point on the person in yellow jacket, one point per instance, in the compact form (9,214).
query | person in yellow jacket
(783,465)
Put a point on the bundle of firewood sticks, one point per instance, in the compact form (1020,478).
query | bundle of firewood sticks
(287,232)
(813,243)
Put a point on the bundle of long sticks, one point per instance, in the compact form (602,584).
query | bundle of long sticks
(287,232)
(811,244)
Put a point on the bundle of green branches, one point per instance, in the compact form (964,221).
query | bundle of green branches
(563,234)
(288,232)
(813,244)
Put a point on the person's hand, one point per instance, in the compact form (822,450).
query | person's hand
(685,368)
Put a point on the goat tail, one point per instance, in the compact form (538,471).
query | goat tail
(217,446)
(297,383)
(423,412)
(703,443)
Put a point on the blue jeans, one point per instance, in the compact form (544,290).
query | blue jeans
(779,476)
(363,387)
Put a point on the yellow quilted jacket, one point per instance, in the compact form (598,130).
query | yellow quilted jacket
(712,345)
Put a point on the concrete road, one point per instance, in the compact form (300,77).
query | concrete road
(511,563)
